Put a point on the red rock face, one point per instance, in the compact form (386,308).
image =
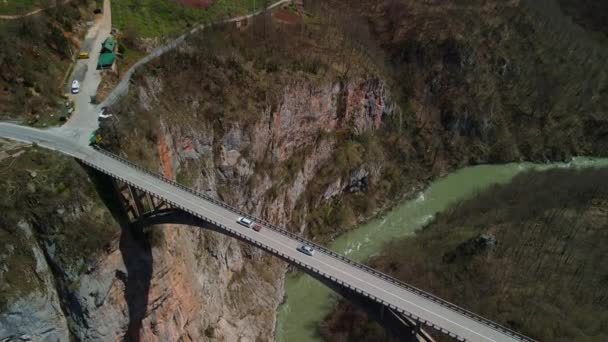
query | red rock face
(306,110)
(165,157)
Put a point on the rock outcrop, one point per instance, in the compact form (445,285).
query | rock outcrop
(35,316)
(204,282)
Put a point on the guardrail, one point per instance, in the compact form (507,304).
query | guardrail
(322,249)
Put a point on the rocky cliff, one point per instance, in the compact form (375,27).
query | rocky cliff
(54,232)
(263,164)
(303,126)
(69,271)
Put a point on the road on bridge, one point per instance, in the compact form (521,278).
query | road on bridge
(421,308)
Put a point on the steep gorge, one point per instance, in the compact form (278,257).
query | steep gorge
(298,125)
(263,161)
(307,139)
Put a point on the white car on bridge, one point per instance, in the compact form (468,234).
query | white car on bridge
(244,222)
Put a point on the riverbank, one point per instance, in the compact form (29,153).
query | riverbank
(307,301)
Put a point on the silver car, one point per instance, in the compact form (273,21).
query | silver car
(306,250)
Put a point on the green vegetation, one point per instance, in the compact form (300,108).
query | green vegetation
(210,332)
(496,85)
(590,14)
(34,59)
(21,7)
(19,279)
(253,63)
(530,255)
(385,150)
(158,18)
(53,195)
(129,55)
(242,74)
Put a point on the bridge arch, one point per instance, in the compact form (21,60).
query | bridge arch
(397,325)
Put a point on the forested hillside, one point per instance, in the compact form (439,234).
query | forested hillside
(36,58)
(530,255)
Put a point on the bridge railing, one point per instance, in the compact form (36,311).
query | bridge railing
(327,251)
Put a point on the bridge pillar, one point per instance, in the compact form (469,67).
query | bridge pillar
(136,200)
(137,205)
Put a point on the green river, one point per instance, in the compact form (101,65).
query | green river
(308,301)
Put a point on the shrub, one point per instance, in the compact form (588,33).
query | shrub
(210,331)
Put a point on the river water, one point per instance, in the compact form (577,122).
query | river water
(308,301)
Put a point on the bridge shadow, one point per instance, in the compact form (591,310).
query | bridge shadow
(136,254)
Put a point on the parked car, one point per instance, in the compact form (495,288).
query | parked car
(256,227)
(83,55)
(75,87)
(306,250)
(244,221)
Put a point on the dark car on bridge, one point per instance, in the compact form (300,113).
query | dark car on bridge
(256,227)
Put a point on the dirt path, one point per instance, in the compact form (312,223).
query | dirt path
(36,11)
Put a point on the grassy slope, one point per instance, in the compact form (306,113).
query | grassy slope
(156,18)
(547,276)
(34,60)
(54,196)
(20,7)
(160,18)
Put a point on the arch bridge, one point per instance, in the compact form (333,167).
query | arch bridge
(153,199)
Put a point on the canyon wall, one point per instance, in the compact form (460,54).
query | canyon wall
(184,283)
(235,288)
(300,126)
